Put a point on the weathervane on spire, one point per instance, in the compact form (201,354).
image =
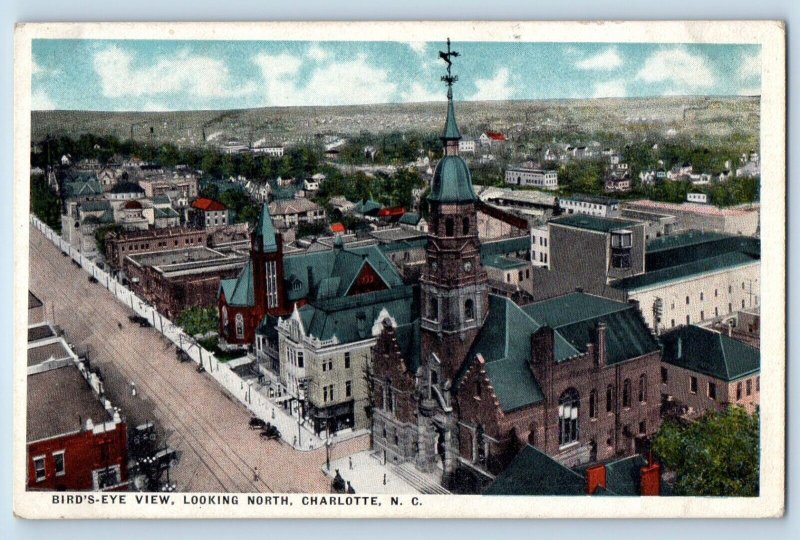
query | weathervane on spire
(449,79)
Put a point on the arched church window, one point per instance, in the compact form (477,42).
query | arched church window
(465,225)
(568,407)
(224,319)
(239,325)
(449,227)
(469,309)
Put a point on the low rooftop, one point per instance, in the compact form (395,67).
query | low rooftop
(59,402)
(710,353)
(594,223)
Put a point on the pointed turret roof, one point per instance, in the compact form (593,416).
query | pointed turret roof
(265,231)
(451,131)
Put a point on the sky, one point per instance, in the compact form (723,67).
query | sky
(148,75)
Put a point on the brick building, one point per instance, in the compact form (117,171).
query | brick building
(176,280)
(574,376)
(705,370)
(76,440)
(120,245)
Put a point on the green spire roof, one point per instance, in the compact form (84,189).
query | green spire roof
(450,126)
(452,181)
(266,231)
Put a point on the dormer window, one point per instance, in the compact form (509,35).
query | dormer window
(621,244)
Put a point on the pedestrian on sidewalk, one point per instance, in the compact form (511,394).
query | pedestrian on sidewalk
(133,389)
(255,474)
(384,479)
(350,462)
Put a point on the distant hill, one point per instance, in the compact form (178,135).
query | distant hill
(695,117)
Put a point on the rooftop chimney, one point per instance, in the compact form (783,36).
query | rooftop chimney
(601,354)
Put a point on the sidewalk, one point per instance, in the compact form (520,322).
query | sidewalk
(367,475)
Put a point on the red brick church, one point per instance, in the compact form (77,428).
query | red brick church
(576,376)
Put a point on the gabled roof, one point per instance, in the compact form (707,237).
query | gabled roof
(351,319)
(88,188)
(240,291)
(504,340)
(495,135)
(532,472)
(574,318)
(505,345)
(710,353)
(410,218)
(168,212)
(208,205)
(306,272)
(367,206)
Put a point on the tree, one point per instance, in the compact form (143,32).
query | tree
(45,204)
(198,320)
(718,455)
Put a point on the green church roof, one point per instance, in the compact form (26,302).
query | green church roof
(450,126)
(711,353)
(239,291)
(265,230)
(452,181)
(505,345)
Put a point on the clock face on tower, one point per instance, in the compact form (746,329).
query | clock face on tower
(434,266)
(468,266)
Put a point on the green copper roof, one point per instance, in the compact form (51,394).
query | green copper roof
(683,271)
(450,127)
(239,291)
(575,317)
(693,246)
(711,353)
(532,472)
(505,345)
(507,354)
(265,230)
(594,223)
(310,275)
(353,321)
(410,218)
(452,181)
(504,263)
(517,244)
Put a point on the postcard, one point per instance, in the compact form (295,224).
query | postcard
(399,269)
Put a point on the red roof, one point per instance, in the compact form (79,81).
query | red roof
(495,135)
(132,205)
(391,211)
(208,205)
(337,228)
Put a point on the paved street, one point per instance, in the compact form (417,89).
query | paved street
(209,427)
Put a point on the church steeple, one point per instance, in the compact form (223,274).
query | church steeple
(451,135)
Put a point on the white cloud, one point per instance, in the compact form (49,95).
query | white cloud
(40,101)
(418,47)
(613,88)
(677,66)
(496,88)
(606,60)
(418,94)
(317,53)
(750,66)
(338,83)
(195,75)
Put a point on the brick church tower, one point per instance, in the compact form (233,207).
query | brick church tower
(454,291)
